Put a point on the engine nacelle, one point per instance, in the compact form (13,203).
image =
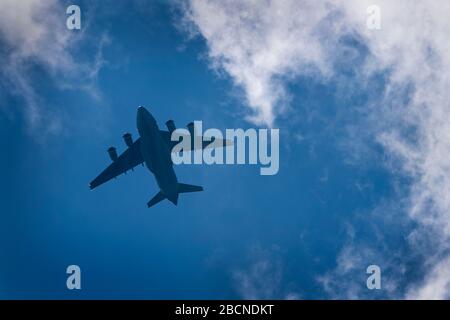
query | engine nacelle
(112,153)
(190,127)
(128,139)
(170,126)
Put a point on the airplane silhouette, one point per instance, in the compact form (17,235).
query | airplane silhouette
(153,147)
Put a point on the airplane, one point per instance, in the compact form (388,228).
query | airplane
(153,148)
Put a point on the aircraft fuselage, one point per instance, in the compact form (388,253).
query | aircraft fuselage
(156,154)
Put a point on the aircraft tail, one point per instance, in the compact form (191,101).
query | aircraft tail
(186,188)
(156,199)
(182,188)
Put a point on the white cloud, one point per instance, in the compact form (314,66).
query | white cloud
(261,44)
(34,33)
(415,45)
(436,285)
(347,281)
(31,30)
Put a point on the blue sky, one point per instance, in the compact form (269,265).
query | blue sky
(344,197)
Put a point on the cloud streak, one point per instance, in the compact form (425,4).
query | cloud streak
(262,278)
(260,44)
(34,34)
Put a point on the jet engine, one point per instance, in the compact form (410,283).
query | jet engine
(128,139)
(170,126)
(112,153)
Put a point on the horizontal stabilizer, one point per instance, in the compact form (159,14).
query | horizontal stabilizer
(156,199)
(185,188)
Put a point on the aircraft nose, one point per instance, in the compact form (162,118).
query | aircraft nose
(141,111)
(143,117)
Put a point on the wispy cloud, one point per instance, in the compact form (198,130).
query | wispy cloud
(262,277)
(260,44)
(436,285)
(33,33)
(348,280)
(263,45)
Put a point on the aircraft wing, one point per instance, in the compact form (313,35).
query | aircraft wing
(129,159)
(205,144)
